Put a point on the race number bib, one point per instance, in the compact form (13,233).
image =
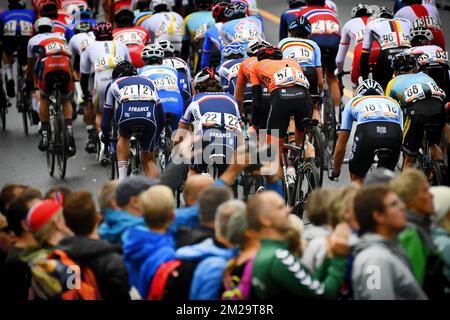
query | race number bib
(302,55)
(284,77)
(359,36)
(177,64)
(413,93)
(201,30)
(436,92)
(394,40)
(246,35)
(106,62)
(129,38)
(324,27)
(233,71)
(9,29)
(230,120)
(137,93)
(54,48)
(423,59)
(167,83)
(212,118)
(380,110)
(26,28)
(427,23)
(300,79)
(441,57)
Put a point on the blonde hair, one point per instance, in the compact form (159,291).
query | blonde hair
(340,203)
(318,206)
(157,204)
(408,183)
(106,194)
(44,234)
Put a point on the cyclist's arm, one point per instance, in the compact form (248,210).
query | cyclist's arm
(365,52)
(343,47)
(319,69)
(239,92)
(108,109)
(208,46)
(184,124)
(283,27)
(186,41)
(85,69)
(344,135)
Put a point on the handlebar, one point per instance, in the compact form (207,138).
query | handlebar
(340,75)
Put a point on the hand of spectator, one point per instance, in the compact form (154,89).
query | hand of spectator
(338,241)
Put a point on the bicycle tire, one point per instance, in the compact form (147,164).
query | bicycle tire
(25,121)
(329,122)
(3,116)
(434,174)
(63,144)
(50,152)
(310,172)
(112,168)
(320,152)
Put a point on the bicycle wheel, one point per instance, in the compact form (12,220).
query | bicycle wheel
(62,145)
(287,188)
(329,125)
(321,153)
(3,116)
(434,174)
(50,153)
(307,181)
(112,168)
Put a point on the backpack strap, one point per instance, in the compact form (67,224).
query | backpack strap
(246,281)
(158,284)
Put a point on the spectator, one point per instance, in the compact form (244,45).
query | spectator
(318,214)
(277,272)
(381,269)
(117,221)
(379,175)
(440,230)
(208,201)
(413,188)
(107,197)
(189,216)
(16,275)
(211,254)
(7,195)
(87,250)
(147,247)
(342,206)
(65,191)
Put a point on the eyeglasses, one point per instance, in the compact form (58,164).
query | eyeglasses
(395,204)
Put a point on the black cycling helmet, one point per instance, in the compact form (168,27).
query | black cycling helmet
(124,17)
(272,53)
(236,10)
(218,11)
(420,36)
(143,5)
(203,4)
(315,2)
(361,10)
(124,69)
(369,87)
(16,4)
(404,62)
(300,27)
(82,27)
(296,3)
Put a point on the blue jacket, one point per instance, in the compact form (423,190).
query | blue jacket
(116,223)
(207,279)
(144,252)
(188,217)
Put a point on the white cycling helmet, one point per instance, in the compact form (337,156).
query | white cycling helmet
(73,10)
(256,44)
(152,52)
(43,23)
(156,3)
(369,87)
(167,46)
(361,10)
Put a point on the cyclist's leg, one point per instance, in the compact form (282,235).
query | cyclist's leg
(302,108)
(311,74)
(10,45)
(362,154)
(123,153)
(177,109)
(436,116)
(412,135)
(391,139)
(89,120)
(100,93)
(150,141)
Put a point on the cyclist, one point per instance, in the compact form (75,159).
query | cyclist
(294,7)
(393,37)
(215,117)
(79,10)
(212,45)
(194,25)
(99,60)
(166,80)
(61,20)
(182,67)
(164,24)
(47,51)
(306,52)
(134,37)
(133,100)
(17,26)
(326,33)
(400,4)
(423,15)
(243,90)
(354,30)
(232,57)
(112,6)
(423,100)
(378,125)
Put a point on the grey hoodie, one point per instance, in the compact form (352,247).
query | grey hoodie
(381,271)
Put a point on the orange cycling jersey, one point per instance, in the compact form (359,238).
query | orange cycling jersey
(244,71)
(277,74)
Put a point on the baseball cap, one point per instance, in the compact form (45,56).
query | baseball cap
(43,212)
(132,186)
(379,175)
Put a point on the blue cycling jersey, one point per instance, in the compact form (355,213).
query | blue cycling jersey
(305,52)
(212,40)
(17,22)
(197,23)
(228,72)
(286,18)
(242,30)
(400,83)
(366,109)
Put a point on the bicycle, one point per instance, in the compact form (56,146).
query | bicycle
(23,101)
(3,105)
(298,187)
(112,168)
(59,141)
(429,166)
(165,149)
(135,166)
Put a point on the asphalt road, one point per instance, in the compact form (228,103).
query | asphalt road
(21,161)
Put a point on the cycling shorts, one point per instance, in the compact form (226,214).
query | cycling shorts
(55,70)
(265,107)
(284,103)
(311,74)
(383,71)
(12,44)
(101,81)
(175,108)
(152,124)
(369,137)
(419,114)
(329,46)
(373,58)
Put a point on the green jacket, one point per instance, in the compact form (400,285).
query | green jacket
(279,274)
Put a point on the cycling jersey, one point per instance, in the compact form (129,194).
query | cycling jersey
(80,42)
(397,86)
(399,4)
(196,24)
(100,58)
(228,72)
(165,26)
(212,41)
(120,4)
(135,102)
(305,52)
(38,39)
(184,73)
(241,30)
(368,109)
(168,85)
(430,54)
(424,16)
(135,38)
(62,24)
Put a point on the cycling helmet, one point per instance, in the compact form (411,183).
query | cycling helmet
(73,10)
(152,53)
(369,87)
(404,62)
(124,17)
(143,5)
(272,53)
(124,69)
(160,4)
(206,74)
(300,26)
(218,11)
(234,48)
(420,36)
(167,47)
(361,10)
(48,8)
(236,10)
(254,46)
(103,31)
(203,4)
(43,25)
(214,2)
(383,12)
(315,2)
(296,3)
(16,4)
(82,27)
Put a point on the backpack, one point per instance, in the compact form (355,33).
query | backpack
(239,288)
(60,278)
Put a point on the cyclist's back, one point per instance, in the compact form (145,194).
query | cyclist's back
(242,30)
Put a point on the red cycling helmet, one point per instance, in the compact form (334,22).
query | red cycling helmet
(272,53)
(103,30)
(218,11)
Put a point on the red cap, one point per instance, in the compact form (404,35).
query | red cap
(42,212)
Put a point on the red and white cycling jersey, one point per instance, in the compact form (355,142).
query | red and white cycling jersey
(120,4)
(135,38)
(421,15)
(389,33)
(51,42)
(429,54)
(65,3)
(323,20)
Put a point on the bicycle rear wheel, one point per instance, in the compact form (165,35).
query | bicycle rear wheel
(61,147)
(3,116)
(50,153)
(307,181)
(321,153)
(112,167)
(434,174)
(329,124)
